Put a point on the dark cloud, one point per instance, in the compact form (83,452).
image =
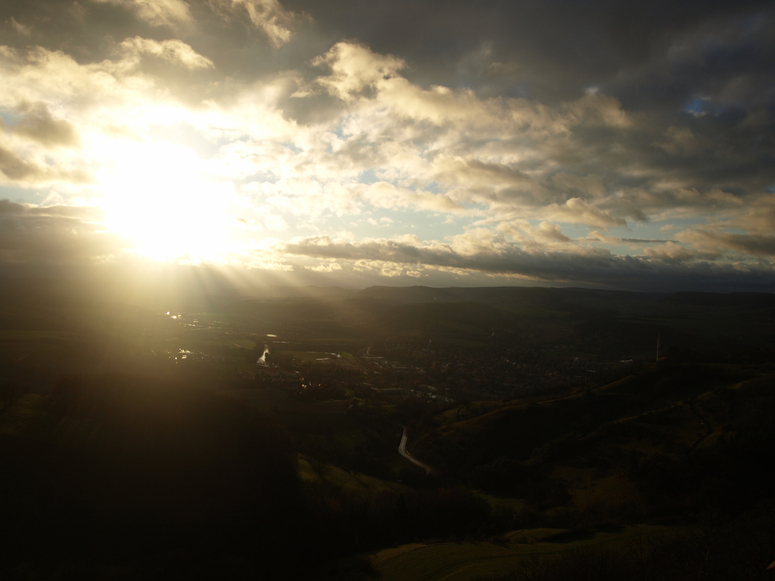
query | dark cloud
(9,207)
(53,235)
(556,47)
(36,122)
(595,268)
(720,242)
(12,166)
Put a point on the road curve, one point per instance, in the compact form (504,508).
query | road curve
(408,456)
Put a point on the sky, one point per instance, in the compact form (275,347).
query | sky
(554,143)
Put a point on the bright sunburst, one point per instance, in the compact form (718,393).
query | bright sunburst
(159,198)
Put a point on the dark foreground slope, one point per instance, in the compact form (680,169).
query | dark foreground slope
(129,477)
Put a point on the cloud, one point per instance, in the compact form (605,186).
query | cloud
(546,235)
(9,207)
(355,68)
(328,267)
(617,241)
(471,172)
(590,186)
(81,213)
(169,13)
(495,257)
(675,253)
(55,78)
(67,123)
(718,242)
(174,51)
(386,195)
(510,128)
(578,211)
(676,202)
(678,141)
(15,168)
(54,235)
(760,218)
(268,15)
(374,79)
(36,122)
(600,109)
(276,223)
(20,28)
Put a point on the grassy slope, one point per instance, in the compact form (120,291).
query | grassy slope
(313,471)
(517,429)
(598,443)
(676,421)
(466,561)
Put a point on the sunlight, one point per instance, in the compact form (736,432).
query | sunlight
(159,198)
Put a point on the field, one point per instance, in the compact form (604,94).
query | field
(525,551)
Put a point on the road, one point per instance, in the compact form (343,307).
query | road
(408,456)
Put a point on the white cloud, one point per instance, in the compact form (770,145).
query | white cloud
(386,195)
(328,267)
(174,51)
(578,211)
(276,223)
(355,68)
(672,252)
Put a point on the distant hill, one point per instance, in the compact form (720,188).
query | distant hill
(704,299)
(568,299)
(412,294)
(319,292)
(448,317)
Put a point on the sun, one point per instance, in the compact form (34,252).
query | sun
(159,198)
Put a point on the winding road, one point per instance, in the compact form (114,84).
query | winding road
(408,456)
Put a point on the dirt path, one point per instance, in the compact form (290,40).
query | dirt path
(408,456)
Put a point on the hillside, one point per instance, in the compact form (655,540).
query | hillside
(257,435)
(632,438)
